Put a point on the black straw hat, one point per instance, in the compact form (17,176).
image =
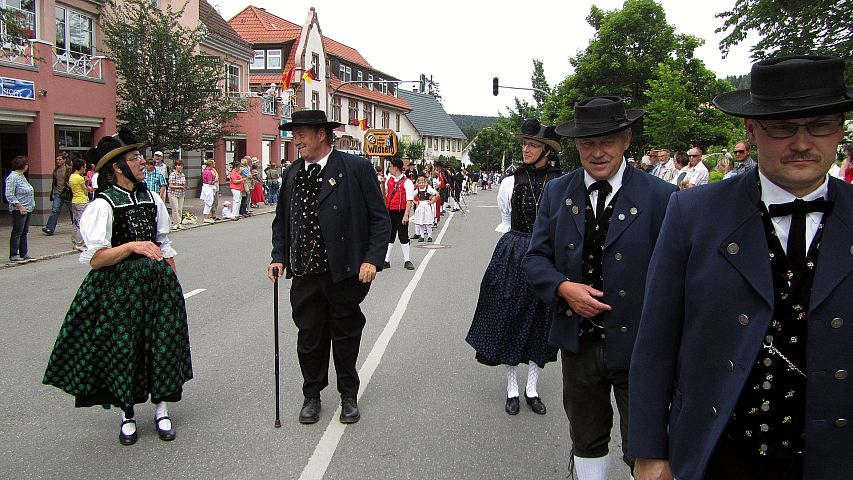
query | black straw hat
(533,130)
(313,118)
(598,116)
(791,87)
(111,147)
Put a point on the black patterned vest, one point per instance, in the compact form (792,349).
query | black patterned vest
(307,249)
(595,232)
(134,215)
(526,195)
(769,418)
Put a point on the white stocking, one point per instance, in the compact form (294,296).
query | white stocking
(532,380)
(593,468)
(162,411)
(388,255)
(511,381)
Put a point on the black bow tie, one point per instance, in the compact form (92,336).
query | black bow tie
(604,189)
(313,170)
(800,207)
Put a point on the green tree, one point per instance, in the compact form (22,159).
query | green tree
(169,95)
(491,147)
(411,150)
(668,120)
(789,27)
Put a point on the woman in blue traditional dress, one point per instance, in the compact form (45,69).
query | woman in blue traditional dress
(125,337)
(510,323)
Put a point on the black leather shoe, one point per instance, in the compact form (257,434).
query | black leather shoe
(420,239)
(387,265)
(127,439)
(310,412)
(349,410)
(409,265)
(413,237)
(512,405)
(535,404)
(165,435)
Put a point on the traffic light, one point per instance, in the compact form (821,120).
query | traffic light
(495,86)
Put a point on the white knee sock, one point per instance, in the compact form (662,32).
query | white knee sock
(127,428)
(407,248)
(511,381)
(388,255)
(162,411)
(428,229)
(532,380)
(419,229)
(592,468)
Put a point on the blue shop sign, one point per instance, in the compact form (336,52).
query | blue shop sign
(16,88)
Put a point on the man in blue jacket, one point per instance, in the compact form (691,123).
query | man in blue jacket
(588,256)
(330,233)
(741,365)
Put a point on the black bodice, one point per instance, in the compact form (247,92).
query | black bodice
(526,195)
(134,214)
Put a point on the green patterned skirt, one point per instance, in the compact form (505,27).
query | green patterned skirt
(124,338)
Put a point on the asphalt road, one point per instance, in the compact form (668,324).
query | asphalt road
(429,410)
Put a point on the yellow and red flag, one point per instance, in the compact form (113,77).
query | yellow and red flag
(286,78)
(363,124)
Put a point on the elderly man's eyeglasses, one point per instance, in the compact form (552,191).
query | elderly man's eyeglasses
(819,128)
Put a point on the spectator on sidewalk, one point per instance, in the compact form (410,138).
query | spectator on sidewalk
(79,199)
(258,196)
(209,190)
(61,171)
(235,184)
(19,195)
(154,180)
(246,195)
(177,188)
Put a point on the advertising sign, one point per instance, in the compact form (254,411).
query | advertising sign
(380,143)
(15,88)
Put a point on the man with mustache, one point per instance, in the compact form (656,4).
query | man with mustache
(756,386)
(587,260)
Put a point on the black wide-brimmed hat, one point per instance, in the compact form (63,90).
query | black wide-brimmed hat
(311,118)
(598,116)
(532,129)
(111,147)
(791,87)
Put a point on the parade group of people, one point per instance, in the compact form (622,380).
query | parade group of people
(607,268)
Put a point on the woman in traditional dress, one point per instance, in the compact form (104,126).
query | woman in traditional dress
(125,336)
(511,323)
(258,196)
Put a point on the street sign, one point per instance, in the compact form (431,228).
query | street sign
(380,143)
(17,88)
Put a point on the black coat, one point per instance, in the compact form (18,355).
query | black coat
(354,222)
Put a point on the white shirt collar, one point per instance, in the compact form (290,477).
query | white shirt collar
(773,194)
(615,181)
(321,162)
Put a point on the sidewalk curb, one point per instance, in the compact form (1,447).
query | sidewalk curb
(7,264)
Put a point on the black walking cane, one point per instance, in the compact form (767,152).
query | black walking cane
(275,325)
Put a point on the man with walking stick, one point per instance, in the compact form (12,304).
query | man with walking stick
(329,235)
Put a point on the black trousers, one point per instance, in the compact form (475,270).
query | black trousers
(328,316)
(731,463)
(397,228)
(586,398)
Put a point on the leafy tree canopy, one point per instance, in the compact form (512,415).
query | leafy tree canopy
(169,95)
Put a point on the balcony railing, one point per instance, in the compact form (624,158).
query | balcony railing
(77,64)
(240,102)
(16,50)
(269,105)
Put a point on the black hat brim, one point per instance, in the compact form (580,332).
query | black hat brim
(287,127)
(115,153)
(554,144)
(739,104)
(572,130)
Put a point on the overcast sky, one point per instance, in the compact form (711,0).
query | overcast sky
(463,44)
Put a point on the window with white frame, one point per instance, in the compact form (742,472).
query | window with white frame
(382,87)
(370,79)
(23,14)
(232,78)
(336,108)
(273,59)
(259,62)
(360,77)
(353,111)
(386,119)
(368,114)
(398,123)
(346,73)
(315,100)
(75,33)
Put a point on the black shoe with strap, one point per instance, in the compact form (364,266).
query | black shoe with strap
(165,435)
(127,439)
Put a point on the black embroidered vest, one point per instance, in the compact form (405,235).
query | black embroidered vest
(134,215)
(307,249)
(769,418)
(595,232)
(526,195)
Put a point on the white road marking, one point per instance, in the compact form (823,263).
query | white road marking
(194,292)
(325,449)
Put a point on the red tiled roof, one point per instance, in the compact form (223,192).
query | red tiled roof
(256,25)
(216,24)
(340,50)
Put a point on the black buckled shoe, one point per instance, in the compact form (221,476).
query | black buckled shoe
(349,410)
(165,435)
(310,412)
(512,405)
(386,265)
(409,265)
(535,404)
(127,439)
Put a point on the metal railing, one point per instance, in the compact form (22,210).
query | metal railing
(16,50)
(77,64)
